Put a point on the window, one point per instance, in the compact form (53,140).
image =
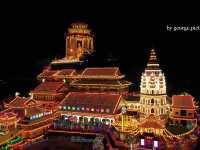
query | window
(78,108)
(152,101)
(83,108)
(176,113)
(183,112)
(64,107)
(73,108)
(102,110)
(68,107)
(107,110)
(87,109)
(189,114)
(92,109)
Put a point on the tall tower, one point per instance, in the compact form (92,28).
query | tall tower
(153,88)
(79,40)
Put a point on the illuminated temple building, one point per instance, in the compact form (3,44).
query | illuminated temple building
(8,121)
(34,117)
(153,96)
(90,79)
(79,42)
(184,110)
(49,92)
(91,105)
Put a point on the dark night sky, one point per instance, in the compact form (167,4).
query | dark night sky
(33,34)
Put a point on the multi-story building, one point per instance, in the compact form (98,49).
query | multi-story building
(183,110)
(153,88)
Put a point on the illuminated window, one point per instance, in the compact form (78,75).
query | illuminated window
(73,108)
(77,108)
(68,107)
(82,108)
(97,110)
(87,109)
(142,142)
(92,109)
(155,144)
(64,107)
(102,110)
(107,110)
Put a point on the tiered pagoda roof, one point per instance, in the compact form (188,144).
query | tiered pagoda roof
(153,62)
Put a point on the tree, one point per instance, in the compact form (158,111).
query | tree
(130,140)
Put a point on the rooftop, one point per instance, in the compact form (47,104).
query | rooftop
(4,115)
(182,101)
(105,71)
(49,87)
(96,101)
(67,72)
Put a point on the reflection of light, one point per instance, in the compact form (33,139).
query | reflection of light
(142,142)
(155,143)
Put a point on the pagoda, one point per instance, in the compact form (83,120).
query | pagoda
(153,88)
(79,42)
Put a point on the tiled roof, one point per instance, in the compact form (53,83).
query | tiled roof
(152,122)
(47,73)
(18,102)
(4,115)
(105,71)
(21,102)
(49,87)
(100,82)
(67,72)
(182,101)
(96,101)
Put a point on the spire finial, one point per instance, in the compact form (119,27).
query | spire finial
(152,57)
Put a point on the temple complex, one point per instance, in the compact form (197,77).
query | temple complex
(91,99)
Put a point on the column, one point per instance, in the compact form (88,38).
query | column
(92,46)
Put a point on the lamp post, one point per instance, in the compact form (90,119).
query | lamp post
(123,111)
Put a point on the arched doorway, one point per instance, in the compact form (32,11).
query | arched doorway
(152,110)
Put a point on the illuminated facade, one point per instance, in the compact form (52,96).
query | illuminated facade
(153,88)
(8,121)
(88,105)
(183,110)
(99,79)
(78,41)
